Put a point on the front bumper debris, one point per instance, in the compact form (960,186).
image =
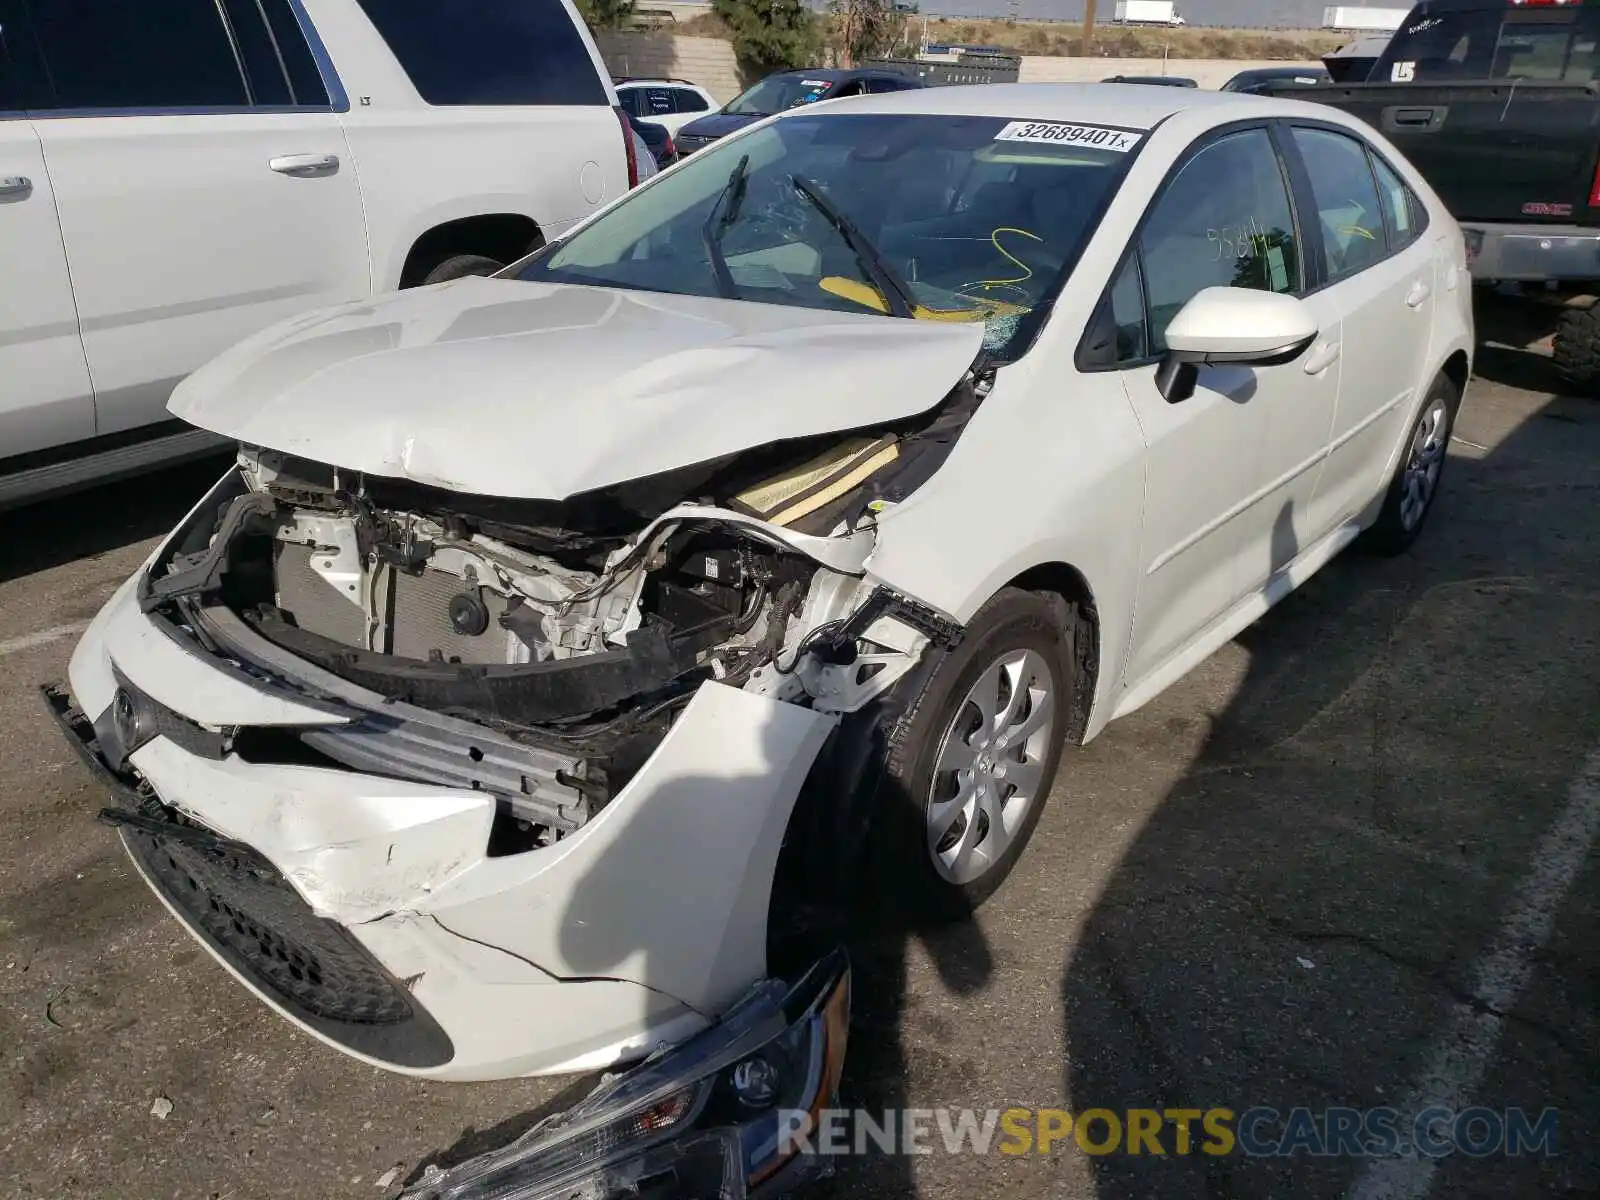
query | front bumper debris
(720,1117)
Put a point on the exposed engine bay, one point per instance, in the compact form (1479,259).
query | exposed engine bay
(580,626)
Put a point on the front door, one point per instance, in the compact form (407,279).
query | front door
(1223,220)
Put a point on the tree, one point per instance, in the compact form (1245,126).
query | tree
(771,35)
(606,14)
(868,28)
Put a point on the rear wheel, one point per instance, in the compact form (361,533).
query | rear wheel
(1576,349)
(971,763)
(459,266)
(1415,484)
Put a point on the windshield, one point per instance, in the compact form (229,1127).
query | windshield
(1553,45)
(778,92)
(935,217)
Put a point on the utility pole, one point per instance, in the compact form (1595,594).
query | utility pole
(1088,27)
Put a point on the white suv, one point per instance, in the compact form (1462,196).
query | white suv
(670,102)
(170,185)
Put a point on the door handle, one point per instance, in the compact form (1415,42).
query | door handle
(16,185)
(1418,293)
(303,165)
(1321,358)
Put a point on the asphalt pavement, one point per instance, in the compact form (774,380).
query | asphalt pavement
(1348,862)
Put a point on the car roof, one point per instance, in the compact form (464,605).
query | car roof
(1277,72)
(1128,105)
(839,74)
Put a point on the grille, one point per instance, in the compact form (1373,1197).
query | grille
(246,907)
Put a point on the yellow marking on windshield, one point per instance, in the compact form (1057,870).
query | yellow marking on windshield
(868,297)
(1027,271)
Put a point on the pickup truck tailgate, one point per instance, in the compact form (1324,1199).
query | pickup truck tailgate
(1494,151)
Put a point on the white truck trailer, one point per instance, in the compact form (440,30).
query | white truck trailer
(1358,19)
(1147,12)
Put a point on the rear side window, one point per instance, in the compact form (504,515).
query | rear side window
(299,64)
(1346,201)
(121,54)
(489,52)
(1402,211)
(688,102)
(278,65)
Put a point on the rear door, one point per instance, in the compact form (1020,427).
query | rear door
(202,181)
(1375,274)
(45,397)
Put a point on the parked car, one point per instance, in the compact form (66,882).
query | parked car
(1156,80)
(232,164)
(1496,104)
(656,140)
(785,90)
(565,646)
(1260,79)
(672,103)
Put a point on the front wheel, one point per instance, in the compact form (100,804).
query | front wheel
(971,763)
(1415,484)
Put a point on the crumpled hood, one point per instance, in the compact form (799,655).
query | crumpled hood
(543,391)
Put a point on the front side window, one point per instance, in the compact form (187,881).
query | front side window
(945,219)
(1223,221)
(1346,201)
(123,54)
(489,52)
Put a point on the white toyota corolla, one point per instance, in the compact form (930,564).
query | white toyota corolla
(565,644)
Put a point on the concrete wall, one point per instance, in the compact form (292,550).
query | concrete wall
(710,63)
(706,61)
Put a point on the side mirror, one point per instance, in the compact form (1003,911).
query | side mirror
(1232,325)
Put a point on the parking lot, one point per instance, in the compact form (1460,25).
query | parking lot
(1348,861)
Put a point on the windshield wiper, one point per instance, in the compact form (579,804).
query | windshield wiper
(730,201)
(894,290)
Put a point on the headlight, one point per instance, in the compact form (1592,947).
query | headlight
(708,1120)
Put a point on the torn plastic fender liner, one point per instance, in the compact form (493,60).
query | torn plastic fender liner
(668,886)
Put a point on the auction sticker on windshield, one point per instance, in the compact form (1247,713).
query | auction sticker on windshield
(1101,137)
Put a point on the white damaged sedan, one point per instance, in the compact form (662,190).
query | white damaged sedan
(566,644)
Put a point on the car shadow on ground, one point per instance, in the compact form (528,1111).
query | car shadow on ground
(1305,914)
(64,529)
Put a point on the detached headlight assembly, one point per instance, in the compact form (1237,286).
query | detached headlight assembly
(717,1117)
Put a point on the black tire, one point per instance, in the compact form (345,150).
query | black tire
(1576,349)
(910,884)
(1397,527)
(459,266)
